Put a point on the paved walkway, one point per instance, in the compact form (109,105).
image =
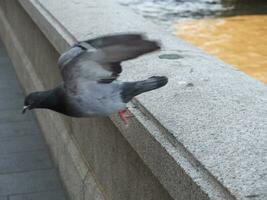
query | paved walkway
(26,170)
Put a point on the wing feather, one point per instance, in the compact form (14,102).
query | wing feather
(99,59)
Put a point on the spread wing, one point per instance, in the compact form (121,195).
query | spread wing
(99,60)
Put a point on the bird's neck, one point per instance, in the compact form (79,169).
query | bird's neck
(53,99)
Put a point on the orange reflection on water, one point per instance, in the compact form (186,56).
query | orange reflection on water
(240,41)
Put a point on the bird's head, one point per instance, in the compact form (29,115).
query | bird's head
(33,100)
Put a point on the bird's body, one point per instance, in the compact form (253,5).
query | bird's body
(106,100)
(89,70)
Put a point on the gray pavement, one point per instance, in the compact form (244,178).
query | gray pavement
(26,169)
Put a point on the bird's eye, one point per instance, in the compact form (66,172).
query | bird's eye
(29,102)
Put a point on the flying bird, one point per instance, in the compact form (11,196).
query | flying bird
(90,70)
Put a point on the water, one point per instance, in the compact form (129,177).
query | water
(173,10)
(238,40)
(233,30)
(170,10)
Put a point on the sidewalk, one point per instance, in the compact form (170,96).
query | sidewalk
(26,170)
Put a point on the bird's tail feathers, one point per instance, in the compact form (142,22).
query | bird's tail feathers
(132,89)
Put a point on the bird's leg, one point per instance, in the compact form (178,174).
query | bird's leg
(124,117)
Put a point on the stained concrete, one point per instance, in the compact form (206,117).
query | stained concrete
(26,169)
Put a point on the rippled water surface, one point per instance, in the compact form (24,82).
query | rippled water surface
(233,30)
(169,10)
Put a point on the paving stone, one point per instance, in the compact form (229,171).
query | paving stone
(29,182)
(26,161)
(12,95)
(21,144)
(26,170)
(12,130)
(2,50)
(3,60)
(11,104)
(14,116)
(7,73)
(6,67)
(8,93)
(50,195)
(9,83)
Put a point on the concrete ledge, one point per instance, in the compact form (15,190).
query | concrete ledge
(201,137)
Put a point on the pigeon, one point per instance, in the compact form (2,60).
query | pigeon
(90,70)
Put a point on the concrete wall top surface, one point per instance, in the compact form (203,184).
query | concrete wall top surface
(211,119)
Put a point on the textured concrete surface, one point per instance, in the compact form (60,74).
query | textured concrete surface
(26,170)
(203,136)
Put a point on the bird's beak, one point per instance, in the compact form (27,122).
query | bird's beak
(25,108)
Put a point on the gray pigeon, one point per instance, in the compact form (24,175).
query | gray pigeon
(89,70)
